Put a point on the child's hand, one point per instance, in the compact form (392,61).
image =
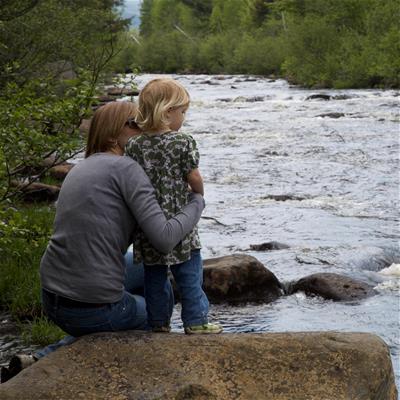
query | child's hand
(195,181)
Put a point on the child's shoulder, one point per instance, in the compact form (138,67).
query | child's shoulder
(134,140)
(180,137)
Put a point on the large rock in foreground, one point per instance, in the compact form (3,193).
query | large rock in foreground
(273,366)
(239,278)
(333,287)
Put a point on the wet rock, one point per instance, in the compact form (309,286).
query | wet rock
(283,197)
(60,171)
(117,92)
(274,366)
(38,192)
(225,100)
(342,97)
(239,278)
(269,246)
(208,82)
(273,153)
(255,99)
(105,99)
(333,287)
(319,96)
(249,99)
(332,115)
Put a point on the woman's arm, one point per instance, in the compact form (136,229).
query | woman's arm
(195,181)
(140,197)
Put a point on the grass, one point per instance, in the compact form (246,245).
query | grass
(24,234)
(41,331)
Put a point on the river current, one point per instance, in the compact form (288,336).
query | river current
(318,175)
(334,162)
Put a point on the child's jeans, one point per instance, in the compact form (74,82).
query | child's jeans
(189,279)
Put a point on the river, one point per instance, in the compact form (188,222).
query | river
(320,176)
(336,161)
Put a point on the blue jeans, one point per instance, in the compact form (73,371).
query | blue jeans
(127,314)
(189,279)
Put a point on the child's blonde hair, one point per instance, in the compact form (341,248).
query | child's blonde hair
(107,124)
(155,99)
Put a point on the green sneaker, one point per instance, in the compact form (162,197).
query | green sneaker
(201,329)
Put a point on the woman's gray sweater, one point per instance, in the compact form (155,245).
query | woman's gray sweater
(101,203)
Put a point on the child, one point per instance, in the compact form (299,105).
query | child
(171,160)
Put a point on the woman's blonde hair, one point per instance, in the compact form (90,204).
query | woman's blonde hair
(155,99)
(107,124)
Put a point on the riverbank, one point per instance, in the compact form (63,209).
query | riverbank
(315,170)
(22,325)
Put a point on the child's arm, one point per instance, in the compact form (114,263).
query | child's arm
(196,181)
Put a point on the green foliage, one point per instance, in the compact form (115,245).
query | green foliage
(53,54)
(41,331)
(125,60)
(347,43)
(342,44)
(83,34)
(24,234)
(38,120)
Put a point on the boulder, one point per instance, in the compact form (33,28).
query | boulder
(283,197)
(60,171)
(239,278)
(273,366)
(38,192)
(334,115)
(117,91)
(319,96)
(269,246)
(333,287)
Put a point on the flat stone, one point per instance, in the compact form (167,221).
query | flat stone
(273,366)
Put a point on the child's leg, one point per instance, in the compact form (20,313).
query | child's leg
(189,279)
(158,295)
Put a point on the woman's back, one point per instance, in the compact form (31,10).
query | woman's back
(92,230)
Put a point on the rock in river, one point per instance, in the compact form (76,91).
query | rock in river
(273,366)
(332,286)
(239,278)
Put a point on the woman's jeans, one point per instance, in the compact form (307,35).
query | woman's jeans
(127,314)
(189,279)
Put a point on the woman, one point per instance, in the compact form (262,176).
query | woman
(87,284)
(102,203)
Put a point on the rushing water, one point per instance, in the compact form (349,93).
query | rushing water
(260,138)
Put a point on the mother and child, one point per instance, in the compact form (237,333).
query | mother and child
(151,197)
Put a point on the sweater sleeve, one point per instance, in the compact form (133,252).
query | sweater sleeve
(140,197)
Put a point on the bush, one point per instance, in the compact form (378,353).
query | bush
(24,234)
(261,57)
(38,120)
